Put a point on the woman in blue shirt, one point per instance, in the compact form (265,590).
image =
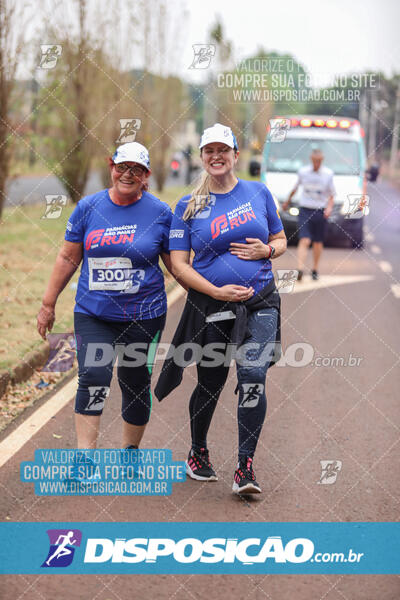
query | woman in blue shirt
(117,235)
(234,229)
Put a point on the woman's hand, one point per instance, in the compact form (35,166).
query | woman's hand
(255,249)
(233,293)
(67,261)
(45,319)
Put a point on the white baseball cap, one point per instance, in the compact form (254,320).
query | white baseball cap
(218,133)
(132,152)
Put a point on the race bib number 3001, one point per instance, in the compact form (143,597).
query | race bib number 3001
(114,274)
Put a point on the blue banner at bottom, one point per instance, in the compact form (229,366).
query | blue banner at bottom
(199,548)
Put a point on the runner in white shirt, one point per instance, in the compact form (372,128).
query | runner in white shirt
(316,203)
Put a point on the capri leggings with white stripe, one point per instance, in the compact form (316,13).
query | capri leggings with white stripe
(98,343)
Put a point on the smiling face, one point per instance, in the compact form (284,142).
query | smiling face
(129,184)
(218,159)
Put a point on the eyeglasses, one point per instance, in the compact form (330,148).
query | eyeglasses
(135,170)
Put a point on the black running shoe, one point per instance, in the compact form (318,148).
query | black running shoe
(198,466)
(299,275)
(244,481)
(314,275)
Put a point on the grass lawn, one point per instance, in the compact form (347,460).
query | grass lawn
(28,248)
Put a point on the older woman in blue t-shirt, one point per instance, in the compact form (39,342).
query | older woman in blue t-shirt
(117,235)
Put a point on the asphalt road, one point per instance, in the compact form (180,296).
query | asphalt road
(333,412)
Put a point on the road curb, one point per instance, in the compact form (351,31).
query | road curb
(35,359)
(22,428)
(25,369)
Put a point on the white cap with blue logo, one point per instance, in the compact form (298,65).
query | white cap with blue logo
(218,133)
(132,152)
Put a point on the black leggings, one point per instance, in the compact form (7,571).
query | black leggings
(98,343)
(252,365)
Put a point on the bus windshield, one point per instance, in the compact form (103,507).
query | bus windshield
(288,156)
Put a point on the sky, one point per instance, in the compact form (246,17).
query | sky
(326,36)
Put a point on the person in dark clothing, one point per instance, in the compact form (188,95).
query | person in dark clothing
(234,229)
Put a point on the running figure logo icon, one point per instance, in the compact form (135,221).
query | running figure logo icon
(329,471)
(98,395)
(128,130)
(356,206)
(285,280)
(203,54)
(278,129)
(251,394)
(62,352)
(50,55)
(54,205)
(62,547)
(207,201)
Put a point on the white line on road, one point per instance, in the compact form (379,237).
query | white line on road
(396,289)
(370,237)
(326,281)
(14,442)
(385,266)
(375,249)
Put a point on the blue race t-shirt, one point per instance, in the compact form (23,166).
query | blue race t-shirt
(247,211)
(120,276)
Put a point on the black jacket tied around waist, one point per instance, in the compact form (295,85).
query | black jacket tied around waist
(192,327)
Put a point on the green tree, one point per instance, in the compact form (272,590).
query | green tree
(12,38)
(78,99)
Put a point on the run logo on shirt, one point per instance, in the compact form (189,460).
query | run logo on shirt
(234,218)
(111,235)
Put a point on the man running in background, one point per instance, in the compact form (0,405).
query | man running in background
(315,206)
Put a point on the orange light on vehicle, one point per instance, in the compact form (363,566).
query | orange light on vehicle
(362,132)
(331,123)
(294,122)
(319,122)
(344,124)
(305,123)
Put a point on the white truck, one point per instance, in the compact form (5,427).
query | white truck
(341,140)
